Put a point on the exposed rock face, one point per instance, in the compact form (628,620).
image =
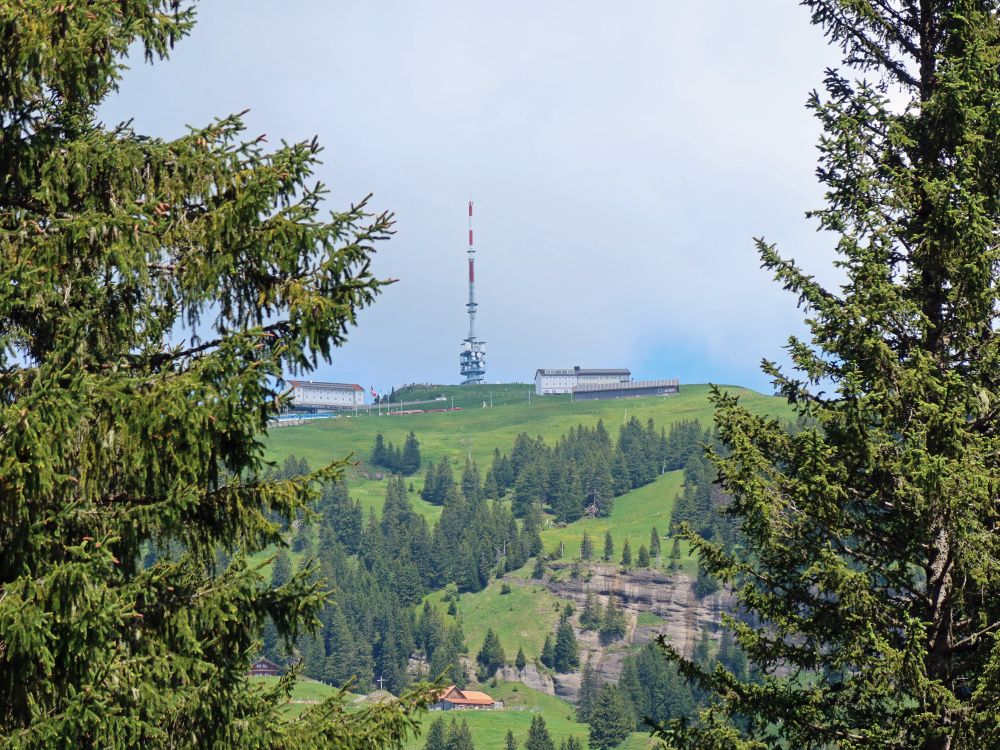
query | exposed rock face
(668,596)
(530,676)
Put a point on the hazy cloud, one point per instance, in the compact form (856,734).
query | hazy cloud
(621,157)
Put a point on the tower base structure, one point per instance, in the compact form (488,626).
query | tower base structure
(472,361)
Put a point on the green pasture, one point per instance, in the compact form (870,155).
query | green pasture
(476,431)
(489,728)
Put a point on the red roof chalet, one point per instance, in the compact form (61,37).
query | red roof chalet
(451,697)
(264,668)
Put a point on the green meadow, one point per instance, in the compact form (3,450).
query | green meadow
(489,728)
(475,431)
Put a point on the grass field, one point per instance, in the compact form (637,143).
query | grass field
(476,431)
(489,728)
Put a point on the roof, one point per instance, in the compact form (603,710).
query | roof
(322,385)
(464,697)
(629,386)
(582,371)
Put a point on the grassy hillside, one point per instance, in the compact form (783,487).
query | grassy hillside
(489,728)
(476,431)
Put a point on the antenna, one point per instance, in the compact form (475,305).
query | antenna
(472,360)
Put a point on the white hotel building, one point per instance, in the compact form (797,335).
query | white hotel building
(312,394)
(549,381)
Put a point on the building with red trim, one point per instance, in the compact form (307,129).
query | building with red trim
(452,698)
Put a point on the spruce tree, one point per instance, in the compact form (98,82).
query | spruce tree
(870,546)
(548,656)
(586,547)
(155,293)
(654,543)
(613,623)
(587,697)
(609,546)
(491,656)
(437,738)
(566,656)
(612,720)
(675,554)
(409,461)
(590,617)
(538,735)
(459,737)
(643,560)
(626,554)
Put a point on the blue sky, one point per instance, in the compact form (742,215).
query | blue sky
(621,156)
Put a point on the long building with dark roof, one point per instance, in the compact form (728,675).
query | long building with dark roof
(631,389)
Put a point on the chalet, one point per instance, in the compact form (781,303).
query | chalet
(264,668)
(452,698)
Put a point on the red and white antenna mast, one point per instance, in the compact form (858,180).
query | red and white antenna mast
(472,360)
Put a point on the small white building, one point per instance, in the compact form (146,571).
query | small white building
(312,394)
(554,380)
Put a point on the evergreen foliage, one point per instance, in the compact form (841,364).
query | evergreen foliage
(609,546)
(869,549)
(120,439)
(612,720)
(655,688)
(587,697)
(566,655)
(538,735)
(548,655)
(613,623)
(459,737)
(643,559)
(654,543)
(491,656)
(592,614)
(437,738)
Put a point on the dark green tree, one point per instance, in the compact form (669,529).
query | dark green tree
(566,655)
(459,737)
(654,543)
(281,571)
(538,735)
(437,738)
(548,657)
(409,461)
(870,543)
(643,559)
(491,656)
(675,554)
(155,294)
(609,546)
(613,624)
(586,547)
(612,720)
(587,698)
(590,616)
(378,454)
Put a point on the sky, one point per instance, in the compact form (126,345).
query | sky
(621,157)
